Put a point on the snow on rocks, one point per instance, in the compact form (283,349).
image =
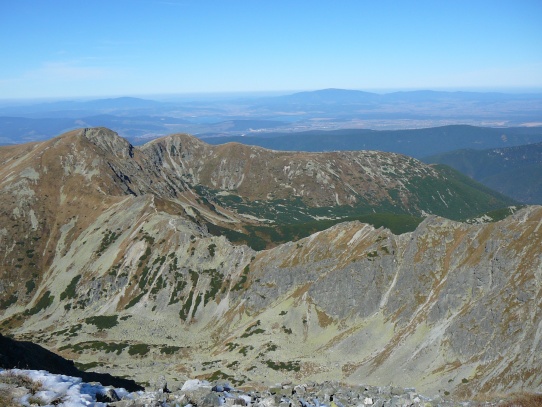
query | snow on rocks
(54,389)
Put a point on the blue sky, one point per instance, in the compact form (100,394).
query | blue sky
(61,48)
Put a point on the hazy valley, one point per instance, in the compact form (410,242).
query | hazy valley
(141,119)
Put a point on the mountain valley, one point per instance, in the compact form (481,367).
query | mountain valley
(238,263)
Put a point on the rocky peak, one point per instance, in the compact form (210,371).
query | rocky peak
(109,141)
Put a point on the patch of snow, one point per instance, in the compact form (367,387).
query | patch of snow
(72,391)
(323,217)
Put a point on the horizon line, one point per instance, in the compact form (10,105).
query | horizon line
(266,93)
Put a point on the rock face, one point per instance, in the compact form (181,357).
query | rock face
(106,258)
(448,303)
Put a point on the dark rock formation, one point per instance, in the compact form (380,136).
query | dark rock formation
(28,355)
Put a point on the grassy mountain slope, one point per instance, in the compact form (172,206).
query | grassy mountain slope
(514,171)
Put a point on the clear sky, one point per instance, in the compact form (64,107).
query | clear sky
(72,48)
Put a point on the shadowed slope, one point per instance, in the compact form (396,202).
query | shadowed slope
(28,355)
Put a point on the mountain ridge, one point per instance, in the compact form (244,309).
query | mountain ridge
(418,143)
(317,179)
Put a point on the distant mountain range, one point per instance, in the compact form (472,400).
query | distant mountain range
(81,107)
(16,130)
(346,96)
(415,143)
(513,171)
(285,122)
(140,120)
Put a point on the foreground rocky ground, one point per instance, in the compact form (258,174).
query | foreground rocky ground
(40,388)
